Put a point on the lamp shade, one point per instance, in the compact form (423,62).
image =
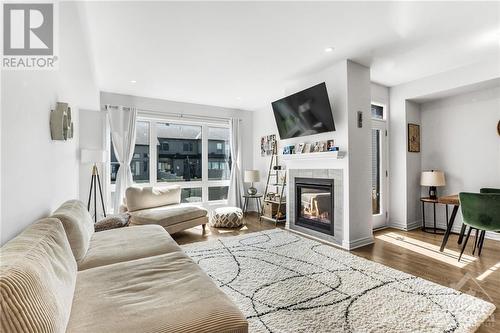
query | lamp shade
(92,156)
(432,178)
(251,176)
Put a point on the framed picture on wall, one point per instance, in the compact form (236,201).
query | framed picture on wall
(414,138)
(268,145)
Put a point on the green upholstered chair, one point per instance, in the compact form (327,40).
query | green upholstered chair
(489,190)
(480,211)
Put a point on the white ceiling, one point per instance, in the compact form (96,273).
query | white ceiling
(488,84)
(241,54)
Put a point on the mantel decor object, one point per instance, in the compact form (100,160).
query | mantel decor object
(61,125)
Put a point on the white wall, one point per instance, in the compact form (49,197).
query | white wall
(413,189)
(360,154)
(400,204)
(264,125)
(38,174)
(380,95)
(459,137)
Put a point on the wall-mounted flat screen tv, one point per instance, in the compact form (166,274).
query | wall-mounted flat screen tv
(304,113)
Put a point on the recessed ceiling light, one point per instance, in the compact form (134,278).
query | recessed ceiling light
(329,49)
(133,81)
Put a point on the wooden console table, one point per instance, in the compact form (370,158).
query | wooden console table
(432,201)
(446,200)
(455,202)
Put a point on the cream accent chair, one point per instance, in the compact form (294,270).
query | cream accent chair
(134,279)
(162,206)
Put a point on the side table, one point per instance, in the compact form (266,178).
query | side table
(433,229)
(257,197)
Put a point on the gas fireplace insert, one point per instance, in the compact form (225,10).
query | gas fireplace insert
(314,205)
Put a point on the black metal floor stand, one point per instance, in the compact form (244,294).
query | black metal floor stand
(94,182)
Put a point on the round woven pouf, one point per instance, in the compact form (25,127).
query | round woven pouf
(227,217)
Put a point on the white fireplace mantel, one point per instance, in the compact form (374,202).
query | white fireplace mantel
(323,160)
(336,155)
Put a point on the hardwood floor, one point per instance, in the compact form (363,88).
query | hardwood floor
(193,235)
(414,252)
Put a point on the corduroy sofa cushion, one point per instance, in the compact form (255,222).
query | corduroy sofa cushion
(168,215)
(78,225)
(37,279)
(150,197)
(125,244)
(160,294)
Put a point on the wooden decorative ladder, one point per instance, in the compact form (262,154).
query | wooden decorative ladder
(276,207)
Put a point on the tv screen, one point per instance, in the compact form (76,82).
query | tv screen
(307,112)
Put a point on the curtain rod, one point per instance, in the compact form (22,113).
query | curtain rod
(178,115)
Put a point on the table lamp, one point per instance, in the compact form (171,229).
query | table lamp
(252,176)
(94,157)
(432,178)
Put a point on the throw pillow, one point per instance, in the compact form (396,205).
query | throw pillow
(112,222)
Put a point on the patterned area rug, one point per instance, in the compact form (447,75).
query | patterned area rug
(283,282)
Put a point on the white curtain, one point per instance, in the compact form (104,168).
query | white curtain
(122,124)
(236,183)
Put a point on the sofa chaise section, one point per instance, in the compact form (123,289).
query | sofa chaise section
(94,249)
(125,244)
(162,206)
(173,218)
(166,293)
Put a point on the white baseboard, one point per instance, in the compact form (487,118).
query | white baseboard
(351,245)
(414,225)
(457,226)
(397,225)
(404,225)
(440,224)
(346,245)
(316,238)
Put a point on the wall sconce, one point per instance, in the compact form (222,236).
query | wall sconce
(61,125)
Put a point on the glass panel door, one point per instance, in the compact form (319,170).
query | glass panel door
(376,171)
(379,173)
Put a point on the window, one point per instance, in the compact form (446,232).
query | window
(377,111)
(219,156)
(218,193)
(183,160)
(191,195)
(376,133)
(191,154)
(140,160)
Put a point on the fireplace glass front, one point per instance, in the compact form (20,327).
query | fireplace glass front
(315,204)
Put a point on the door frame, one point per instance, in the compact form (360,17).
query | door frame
(381,220)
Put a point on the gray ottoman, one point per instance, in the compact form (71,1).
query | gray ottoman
(227,217)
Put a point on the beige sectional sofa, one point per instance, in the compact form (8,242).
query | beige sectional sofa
(162,206)
(60,276)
